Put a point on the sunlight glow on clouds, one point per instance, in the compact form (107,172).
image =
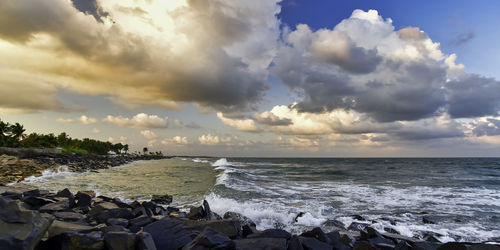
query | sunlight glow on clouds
(139,121)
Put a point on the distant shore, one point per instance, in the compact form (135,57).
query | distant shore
(14,168)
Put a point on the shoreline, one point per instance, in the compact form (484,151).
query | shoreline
(15,168)
(36,219)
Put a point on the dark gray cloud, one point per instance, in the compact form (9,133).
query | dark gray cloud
(268,118)
(90,7)
(490,127)
(192,125)
(473,96)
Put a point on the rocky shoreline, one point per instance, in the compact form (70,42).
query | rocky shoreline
(36,219)
(16,168)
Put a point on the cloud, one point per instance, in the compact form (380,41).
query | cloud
(95,131)
(87,120)
(486,127)
(268,118)
(193,125)
(139,121)
(213,53)
(246,125)
(148,134)
(364,64)
(63,120)
(176,140)
(463,38)
(209,139)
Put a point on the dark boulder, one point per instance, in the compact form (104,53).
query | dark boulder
(136,224)
(358,217)
(20,228)
(231,228)
(59,227)
(114,213)
(314,244)
(294,243)
(236,216)
(334,223)
(117,221)
(261,244)
(81,241)
(19,190)
(428,220)
(119,241)
(36,202)
(318,234)
(357,226)
(61,205)
(210,239)
(69,216)
(271,233)
(84,198)
(483,246)
(454,246)
(144,241)
(114,228)
(65,193)
(424,245)
(162,199)
(168,234)
(298,216)
(363,245)
(402,245)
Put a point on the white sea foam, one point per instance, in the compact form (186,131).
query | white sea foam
(198,160)
(60,173)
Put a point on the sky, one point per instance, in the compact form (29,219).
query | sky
(262,78)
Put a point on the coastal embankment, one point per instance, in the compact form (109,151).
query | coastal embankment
(36,219)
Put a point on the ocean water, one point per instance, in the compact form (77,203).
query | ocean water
(462,195)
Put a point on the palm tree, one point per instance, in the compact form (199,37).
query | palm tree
(125,148)
(17,131)
(145,150)
(4,127)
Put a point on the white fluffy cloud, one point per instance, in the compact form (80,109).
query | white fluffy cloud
(87,120)
(209,139)
(246,125)
(139,121)
(148,134)
(176,140)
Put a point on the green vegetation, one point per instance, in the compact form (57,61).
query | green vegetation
(13,136)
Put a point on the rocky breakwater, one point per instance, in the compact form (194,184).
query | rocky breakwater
(35,219)
(13,169)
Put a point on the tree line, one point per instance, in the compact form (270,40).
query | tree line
(12,135)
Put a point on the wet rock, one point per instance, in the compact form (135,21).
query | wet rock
(231,228)
(117,221)
(334,223)
(114,228)
(114,213)
(144,241)
(294,243)
(318,234)
(347,240)
(314,244)
(298,216)
(168,234)
(55,207)
(261,244)
(428,220)
(19,190)
(36,202)
(120,203)
(247,230)
(402,245)
(454,246)
(210,239)
(391,230)
(162,199)
(483,246)
(271,233)
(137,223)
(65,193)
(119,241)
(59,227)
(335,239)
(357,226)
(243,219)
(363,245)
(20,228)
(77,241)
(69,216)
(398,237)
(424,245)
(358,217)
(84,198)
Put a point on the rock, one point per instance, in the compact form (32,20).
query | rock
(424,245)
(391,230)
(454,246)
(484,246)
(120,203)
(210,239)
(195,213)
(358,217)
(119,241)
(336,241)
(271,233)
(168,234)
(114,228)
(247,230)
(65,193)
(243,219)
(59,227)
(261,244)
(84,198)
(314,244)
(318,234)
(36,202)
(356,226)
(55,207)
(402,245)
(114,213)
(19,190)
(231,228)
(69,216)
(77,241)
(117,221)
(144,241)
(363,245)
(334,223)
(397,237)
(20,228)
(298,216)
(106,205)
(428,220)
(347,240)
(369,232)
(140,221)
(162,199)
(294,243)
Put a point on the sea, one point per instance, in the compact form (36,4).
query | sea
(461,196)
